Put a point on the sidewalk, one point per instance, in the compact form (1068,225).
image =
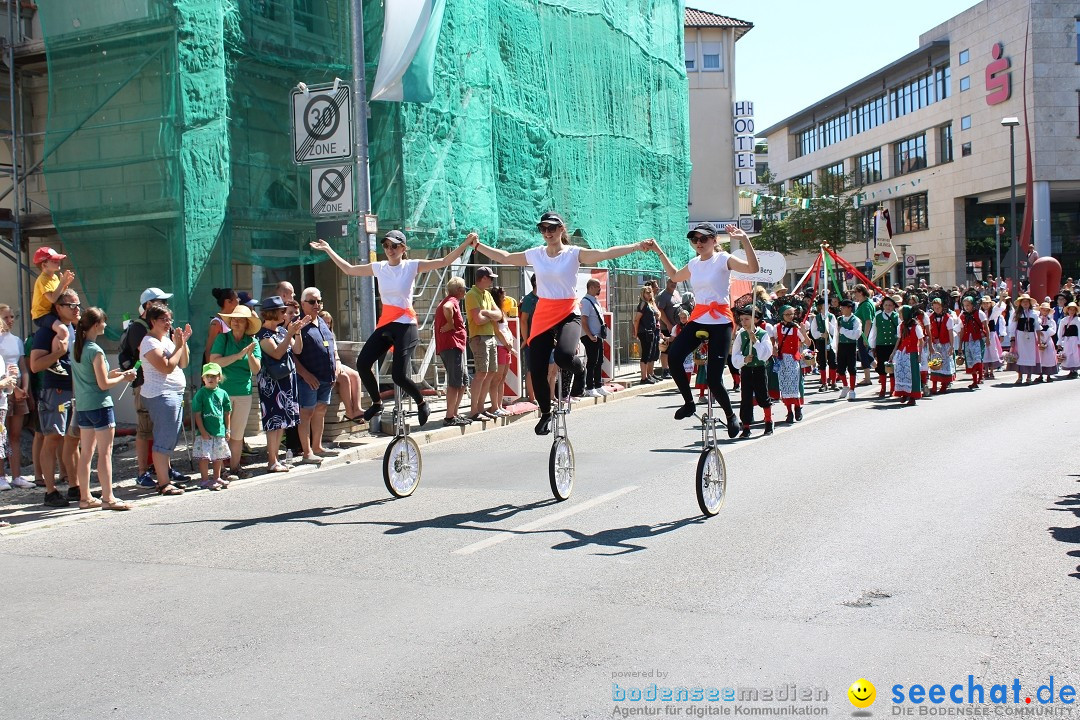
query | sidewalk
(21,507)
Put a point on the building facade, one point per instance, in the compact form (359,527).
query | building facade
(923,137)
(710,69)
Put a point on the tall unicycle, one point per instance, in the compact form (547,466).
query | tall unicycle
(561,458)
(402,463)
(710,482)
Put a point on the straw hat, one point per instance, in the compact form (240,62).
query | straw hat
(1045,306)
(1024,296)
(243,311)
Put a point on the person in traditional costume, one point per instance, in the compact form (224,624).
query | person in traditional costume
(940,341)
(849,332)
(822,326)
(1024,328)
(750,350)
(787,359)
(992,357)
(883,338)
(973,335)
(1048,362)
(1069,339)
(905,358)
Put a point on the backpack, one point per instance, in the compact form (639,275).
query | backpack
(127,356)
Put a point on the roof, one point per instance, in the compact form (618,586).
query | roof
(700,18)
(873,79)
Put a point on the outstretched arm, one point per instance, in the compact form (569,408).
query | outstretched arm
(591,257)
(450,257)
(361,270)
(748,266)
(676,275)
(501,256)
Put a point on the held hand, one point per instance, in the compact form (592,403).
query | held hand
(320,245)
(472,240)
(650,245)
(63,343)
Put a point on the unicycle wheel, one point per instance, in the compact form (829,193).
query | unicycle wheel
(710,483)
(561,468)
(402,466)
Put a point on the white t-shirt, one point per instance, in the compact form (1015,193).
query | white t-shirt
(556,277)
(711,280)
(11,349)
(396,285)
(158,383)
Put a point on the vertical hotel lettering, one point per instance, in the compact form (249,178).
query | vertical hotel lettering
(743,126)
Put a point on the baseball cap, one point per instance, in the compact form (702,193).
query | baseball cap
(395,236)
(153,294)
(551,218)
(485,271)
(244,298)
(211,369)
(47,253)
(702,228)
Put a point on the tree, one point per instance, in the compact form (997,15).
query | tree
(774,230)
(832,216)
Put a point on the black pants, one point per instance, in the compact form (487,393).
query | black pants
(866,358)
(563,338)
(594,363)
(882,353)
(755,388)
(845,358)
(825,355)
(719,344)
(404,338)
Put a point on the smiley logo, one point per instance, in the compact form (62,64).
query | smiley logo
(862,693)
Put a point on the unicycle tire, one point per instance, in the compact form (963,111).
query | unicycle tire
(710,482)
(402,466)
(561,468)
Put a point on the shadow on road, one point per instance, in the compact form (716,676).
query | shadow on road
(619,538)
(463,520)
(308,515)
(1068,503)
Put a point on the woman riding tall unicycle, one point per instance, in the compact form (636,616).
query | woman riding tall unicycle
(709,273)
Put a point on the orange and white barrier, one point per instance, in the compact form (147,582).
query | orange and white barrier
(512,384)
(607,371)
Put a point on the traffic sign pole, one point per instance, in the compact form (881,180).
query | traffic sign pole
(365,312)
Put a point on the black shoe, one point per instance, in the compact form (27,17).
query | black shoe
(735,388)
(1039,379)
(798,413)
(423,413)
(733,426)
(745,433)
(372,411)
(768,428)
(55,499)
(544,426)
(462,420)
(790,418)
(74,494)
(685,411)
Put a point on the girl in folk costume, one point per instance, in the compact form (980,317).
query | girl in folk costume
(906,357)
(709,273)
(787,357)
(771,377)
(923,319)
(973,333)
(940,341)
(823,332)
(1023,333)
(750,350)
(1069,339)
(1047,351)
(397,326)
(992,357)
(849,330)
(883,337)
(556,322)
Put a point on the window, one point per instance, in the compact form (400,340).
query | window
(964,57)
(803,181)
(866,221)
(965,122)
(868,115)
(965,83)
(806,142)
(943,80)
(710,56)
(920,92)
(910,154)
(868,168)
(833,130)
(965,149)
(945,140)
(831,179)
(762,172)
(691,57)
(913,214)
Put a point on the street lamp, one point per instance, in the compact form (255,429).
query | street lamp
(1011,123)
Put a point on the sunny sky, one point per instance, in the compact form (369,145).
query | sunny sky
(800,52)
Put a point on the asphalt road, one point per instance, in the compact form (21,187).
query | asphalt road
(903,545)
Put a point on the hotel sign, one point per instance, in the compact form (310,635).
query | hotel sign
(743,127)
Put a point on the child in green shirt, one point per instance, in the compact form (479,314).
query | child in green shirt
(211,409)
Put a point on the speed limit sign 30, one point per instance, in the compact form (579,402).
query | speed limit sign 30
(322,124)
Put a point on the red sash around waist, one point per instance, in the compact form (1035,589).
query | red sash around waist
(548,313)
(390,313)
(715,309)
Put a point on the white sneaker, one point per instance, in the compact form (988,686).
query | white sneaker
(851,395)
(22,482)
(4,483)
(594,393)
(604,392)
(844,392)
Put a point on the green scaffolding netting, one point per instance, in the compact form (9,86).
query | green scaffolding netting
(168,145)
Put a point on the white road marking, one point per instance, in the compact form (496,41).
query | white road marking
(497,538)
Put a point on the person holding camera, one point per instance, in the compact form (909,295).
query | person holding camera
(593,334)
